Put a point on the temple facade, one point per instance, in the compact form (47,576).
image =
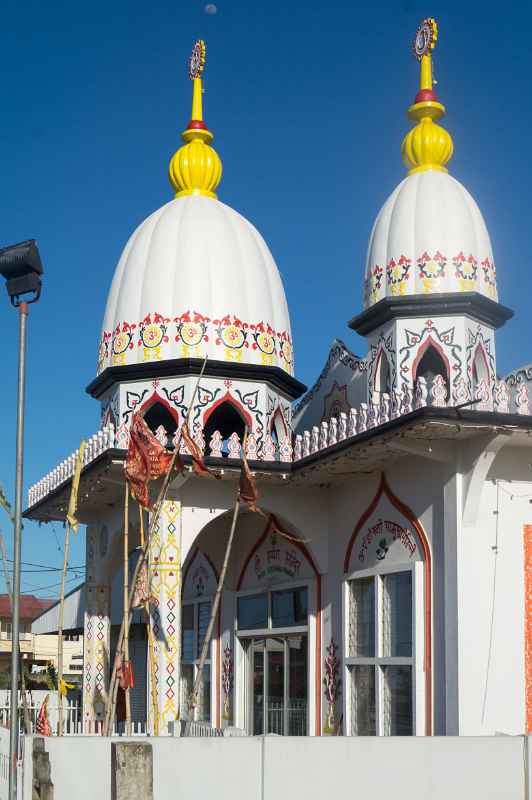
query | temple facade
(385,588)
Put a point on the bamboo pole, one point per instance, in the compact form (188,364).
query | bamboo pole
(111,705)
(214,611)
(60,633)
(126,607)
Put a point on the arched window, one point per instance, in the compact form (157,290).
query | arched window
(430,365)
(480,371)
(157,414)
(226,419)
(382,380)
(278,429)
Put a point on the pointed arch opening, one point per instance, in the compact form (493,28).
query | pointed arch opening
(480,370)
(227,419)
(278,428)
(382,376)
(157,412)
(431,361)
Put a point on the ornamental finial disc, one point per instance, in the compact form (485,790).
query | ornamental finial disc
(196,62)
(425,38)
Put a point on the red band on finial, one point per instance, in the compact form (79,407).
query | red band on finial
(424,95)
(196,124)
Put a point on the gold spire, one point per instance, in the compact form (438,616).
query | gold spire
(427,145)
(196,168)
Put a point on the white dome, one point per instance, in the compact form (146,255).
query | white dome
(196,279)
(429,238)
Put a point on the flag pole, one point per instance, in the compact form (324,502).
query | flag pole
(125,649)
(216,603)
(60,635)
(71,522)
(111,705)
(214,611)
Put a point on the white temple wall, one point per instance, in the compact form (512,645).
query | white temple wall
(340,386)
(492,687)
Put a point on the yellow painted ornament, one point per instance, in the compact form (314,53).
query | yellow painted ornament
(427,145)
(196,168)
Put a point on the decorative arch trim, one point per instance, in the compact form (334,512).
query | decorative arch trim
(228,398)
(430,342)
(192,557)
(278,413)
(384,489)
(272,523)
(155,399)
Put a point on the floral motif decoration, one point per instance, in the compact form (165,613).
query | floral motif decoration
(227,680)
(431,270)
(232,333)
(191,332)
(490,277)
(397,274)
(465,270)
(264,341)
(152,334)
(332,685)
(122,342)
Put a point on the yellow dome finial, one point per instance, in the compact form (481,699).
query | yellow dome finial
(427,145)
(196,168)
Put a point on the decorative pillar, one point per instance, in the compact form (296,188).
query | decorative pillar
(165,618)
(96,666)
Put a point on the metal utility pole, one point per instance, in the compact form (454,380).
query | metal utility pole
(15,622)
(20,265)
(7,578)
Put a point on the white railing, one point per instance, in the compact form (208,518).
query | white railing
(380,409)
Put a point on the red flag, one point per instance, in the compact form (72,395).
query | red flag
(42,724)
(146,459)
(198,464)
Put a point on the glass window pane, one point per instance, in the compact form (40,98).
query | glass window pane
(204,615)
(253,611)
(297,686)
(289,608)
(362,618)
(203,709)
(187,636)
(275,655)
(397,701)
(186,680)
(363,719)
(397,614)
(258,688)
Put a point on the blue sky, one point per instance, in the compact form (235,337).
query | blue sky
(307,102)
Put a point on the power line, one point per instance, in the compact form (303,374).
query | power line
(51,586)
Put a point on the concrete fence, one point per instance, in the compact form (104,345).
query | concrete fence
(275,768)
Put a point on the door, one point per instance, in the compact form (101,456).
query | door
(278,684)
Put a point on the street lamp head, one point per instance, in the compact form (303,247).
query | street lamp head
(21,266)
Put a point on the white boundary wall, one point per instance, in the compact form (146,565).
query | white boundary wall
(306,768)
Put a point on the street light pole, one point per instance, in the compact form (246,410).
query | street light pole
(15,623)
(21,266)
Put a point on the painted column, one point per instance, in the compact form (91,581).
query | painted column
(96,666)
(165,619)
(96,631)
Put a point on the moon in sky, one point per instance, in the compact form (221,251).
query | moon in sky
(210,8)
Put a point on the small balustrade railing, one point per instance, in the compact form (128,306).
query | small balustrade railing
(381,408)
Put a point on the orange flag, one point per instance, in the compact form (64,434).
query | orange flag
(198,464)
(42,725)
(146,459)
